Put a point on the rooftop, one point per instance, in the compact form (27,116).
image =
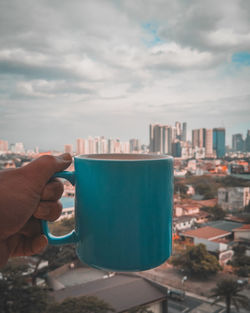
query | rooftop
(122,292)
(206,232)
(245,227)
(224,225)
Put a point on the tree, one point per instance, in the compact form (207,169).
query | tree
(140,309)
(56,257)
(197,261)
(228,290)
(216,212)
(240,261)
(16,293)
(86,304)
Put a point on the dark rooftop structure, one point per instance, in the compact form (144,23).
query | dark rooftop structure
(224,225)
(122,292)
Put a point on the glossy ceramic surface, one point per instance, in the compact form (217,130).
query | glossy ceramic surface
(123,208)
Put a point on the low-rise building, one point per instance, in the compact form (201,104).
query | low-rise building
(233,198)
(217,241)
(183,222)
(242,233)
(124,292)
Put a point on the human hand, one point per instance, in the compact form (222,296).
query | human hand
(28,194)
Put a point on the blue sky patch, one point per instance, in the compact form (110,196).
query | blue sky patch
(151,28)
(241,58)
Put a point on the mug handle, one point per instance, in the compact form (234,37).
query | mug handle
(70,237)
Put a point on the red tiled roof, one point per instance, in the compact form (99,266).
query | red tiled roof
(206,232)
(245,227)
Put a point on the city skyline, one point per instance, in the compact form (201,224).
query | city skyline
(113,67)
(164,139)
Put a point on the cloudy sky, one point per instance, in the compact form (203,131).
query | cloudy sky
(76,68)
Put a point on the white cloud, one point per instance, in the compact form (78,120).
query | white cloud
(133,60)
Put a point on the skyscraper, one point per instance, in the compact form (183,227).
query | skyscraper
(134,145)
(195,138)
(202,138)
(81,146)
(178,130)
(247,141)
(3,145)
(209,143)
(199,138)
(184,132)
(237,142)
(68,149)
(155,133)
(219,142)
(167,139)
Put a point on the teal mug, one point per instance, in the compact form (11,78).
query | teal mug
(123,210)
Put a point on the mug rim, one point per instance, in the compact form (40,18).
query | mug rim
(144,157)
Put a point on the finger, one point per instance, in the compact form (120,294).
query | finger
(42,169)
(32,228)
(53,190)
(20,245)
(49,210)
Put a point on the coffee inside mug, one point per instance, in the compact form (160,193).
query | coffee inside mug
(123,156)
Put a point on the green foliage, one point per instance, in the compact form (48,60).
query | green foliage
(140,309)
(16,293)
(180,188)
(197,261)
(240,261)
(228,290)
(229,181)
(56,257)
(247,208)
(216,212)
(86,304)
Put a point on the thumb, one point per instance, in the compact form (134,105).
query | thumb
(42,169)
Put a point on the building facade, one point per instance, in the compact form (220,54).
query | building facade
(233,198)
(219,144)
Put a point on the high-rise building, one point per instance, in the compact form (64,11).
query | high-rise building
(161,138)
(19,148)
(91,145)
(195,138)
(81,146)
(178,130)
(166,139)
(237,142)
(3,145)
(134,145)
(184,132)
(219,142)
(199,138)
(68,149)
(103,145)
(202,138)
(155,138)
(247,141)
(176,148)
(209,143)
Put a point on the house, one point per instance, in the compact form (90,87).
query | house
(201,217)
(216,241)
(186,209)
(183,222)
(122,291)
(242,233)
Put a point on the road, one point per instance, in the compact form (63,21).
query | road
(193,305)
